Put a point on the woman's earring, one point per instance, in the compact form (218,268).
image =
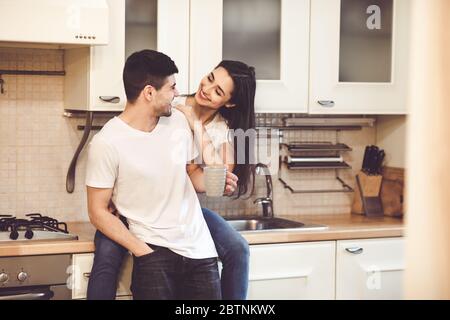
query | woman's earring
(230,105)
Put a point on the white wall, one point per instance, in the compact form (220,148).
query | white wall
(391,136)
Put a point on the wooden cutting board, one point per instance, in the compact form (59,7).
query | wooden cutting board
(392,191)
(390,187)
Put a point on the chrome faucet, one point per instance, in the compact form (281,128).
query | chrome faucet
(267,201)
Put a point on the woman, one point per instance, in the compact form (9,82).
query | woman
(223,101)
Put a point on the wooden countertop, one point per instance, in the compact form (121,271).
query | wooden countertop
(340,227)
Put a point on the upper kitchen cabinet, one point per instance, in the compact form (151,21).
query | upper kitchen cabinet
(94,74)
(359,56)
(271,35)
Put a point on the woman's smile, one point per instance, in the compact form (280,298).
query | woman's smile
(203,96)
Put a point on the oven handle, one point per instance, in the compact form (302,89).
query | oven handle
(44,295)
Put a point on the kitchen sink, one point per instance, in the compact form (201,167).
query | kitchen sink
(255,224)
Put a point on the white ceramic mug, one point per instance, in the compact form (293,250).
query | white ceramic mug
(215,180)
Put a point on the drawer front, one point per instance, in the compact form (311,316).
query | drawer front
(292,271)
(81,270)
(370,269)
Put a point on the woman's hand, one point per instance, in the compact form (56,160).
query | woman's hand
(230,183)
(189,114)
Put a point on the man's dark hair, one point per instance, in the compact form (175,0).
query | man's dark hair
(146,67)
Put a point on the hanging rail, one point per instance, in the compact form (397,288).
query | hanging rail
(33,72)
(27,73)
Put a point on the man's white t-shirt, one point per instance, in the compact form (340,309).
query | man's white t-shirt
(151,188)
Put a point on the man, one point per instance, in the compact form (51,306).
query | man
(138,160)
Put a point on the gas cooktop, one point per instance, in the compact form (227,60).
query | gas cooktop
(34,227)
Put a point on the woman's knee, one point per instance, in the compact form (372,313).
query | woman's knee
(229,243)
(240,248)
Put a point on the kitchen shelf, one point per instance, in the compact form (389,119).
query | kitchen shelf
(306,156)
(297,147)
(329,122)
(345,188)
(317,165)
(294,128)
(305,151)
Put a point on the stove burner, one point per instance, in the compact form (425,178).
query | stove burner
(35,222)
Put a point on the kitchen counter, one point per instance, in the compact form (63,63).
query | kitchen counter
(340,227)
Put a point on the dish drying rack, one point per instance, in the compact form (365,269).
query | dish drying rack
(322,160)
(318,155)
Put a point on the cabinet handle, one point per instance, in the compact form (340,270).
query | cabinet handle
(370,271)
(86,274)
(280,277)
(326,103)
(45,295)
(111,99)
(355,250)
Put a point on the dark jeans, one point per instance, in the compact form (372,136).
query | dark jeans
(232,248)
(165,275)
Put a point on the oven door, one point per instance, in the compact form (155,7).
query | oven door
(59,292)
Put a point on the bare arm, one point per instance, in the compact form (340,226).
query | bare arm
(109,224)
(209,154)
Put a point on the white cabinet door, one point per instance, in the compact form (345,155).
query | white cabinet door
(359,56)
(272,35)
(370,269)
(93,79)
(81,270)
(292,271)
(173,37)
(161,25)
(94,75)
(106,66)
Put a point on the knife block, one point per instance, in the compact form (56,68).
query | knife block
(367,199)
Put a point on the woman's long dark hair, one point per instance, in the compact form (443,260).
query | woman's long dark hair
(241,116)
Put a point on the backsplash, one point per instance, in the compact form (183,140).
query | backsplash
(286,203)
(37,144)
